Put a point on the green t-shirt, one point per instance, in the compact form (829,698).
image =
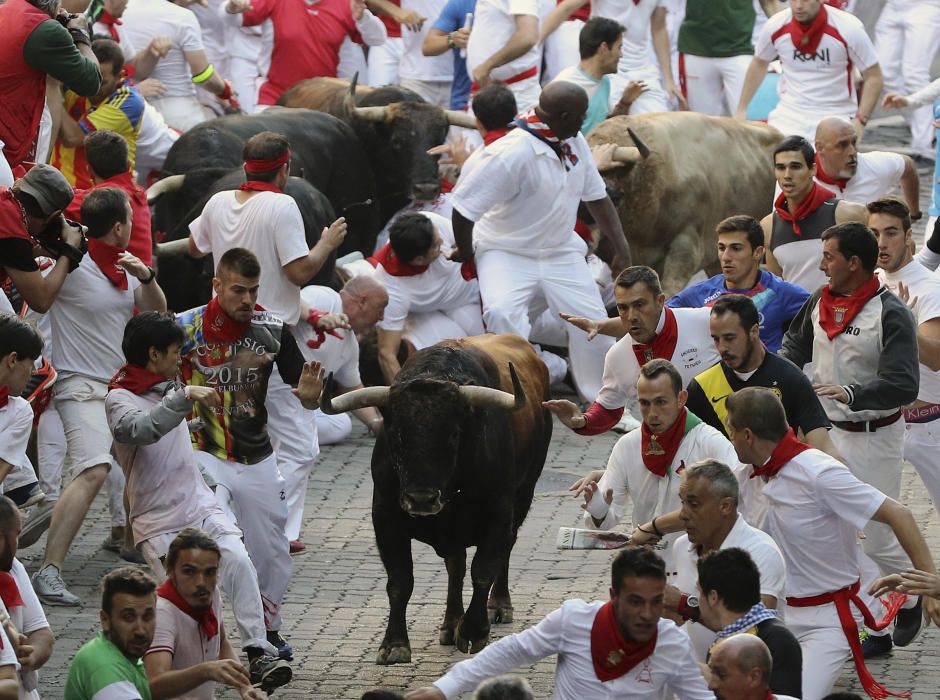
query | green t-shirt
(101,671)
(717,28)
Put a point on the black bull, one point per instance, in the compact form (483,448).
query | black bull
(451,471)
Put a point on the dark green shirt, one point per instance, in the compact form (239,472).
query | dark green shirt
(717,28)
(50,49)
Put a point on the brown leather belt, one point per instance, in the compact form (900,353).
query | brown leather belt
(867,426)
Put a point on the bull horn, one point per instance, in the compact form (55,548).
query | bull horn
(360,398)
(170,183)
(485,397)
(641,147)
(457,117)
(626,154)
(373,114)
(352,85)
(178,247)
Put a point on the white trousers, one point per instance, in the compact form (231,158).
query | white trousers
(876,459)
(153,143)
(252,496)
(238,578)
(426,329)
(526,92)
(922,449)
(332,429)
(517,288)
(654,99)
(561,49)
(51,449)
(435,92)
(293,432)
(180,113)
(824,646)
(243,73)
(793,123)
(352,60)
(907,37)
(6,172)
(713,85)
(383,62)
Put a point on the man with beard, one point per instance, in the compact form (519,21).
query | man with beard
(619,648)
(190,652)
(109,665)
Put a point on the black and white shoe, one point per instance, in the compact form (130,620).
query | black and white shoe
(908,624)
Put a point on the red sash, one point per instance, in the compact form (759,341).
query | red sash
(806,37)
(518,77)
(788,448)
(815,199)
(208,622)
(663,345)
(105,257)
(137,380)
(612,655)
(835,313)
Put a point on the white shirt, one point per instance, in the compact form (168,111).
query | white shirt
(270,226)
(439,288)
(821,84)
(636,52)
(567,633)
(414,65)
(127,46)
(27,618)
(146,19)
(924,286)
(341,357)
(695,352)
(16,424)
(88,319)
(814,509)
(653,495)
(523,200)
(493,24)
(878,174)
(763,550)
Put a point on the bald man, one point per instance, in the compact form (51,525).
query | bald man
(862,177)
(515,213)
(740,669)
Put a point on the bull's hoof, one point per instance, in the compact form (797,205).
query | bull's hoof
(470,646)
(499,613)
(400,654)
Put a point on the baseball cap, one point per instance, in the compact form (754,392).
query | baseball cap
(48,187)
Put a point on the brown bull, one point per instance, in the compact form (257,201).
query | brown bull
(689,172)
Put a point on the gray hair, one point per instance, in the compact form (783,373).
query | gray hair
(721,480)
(506,687)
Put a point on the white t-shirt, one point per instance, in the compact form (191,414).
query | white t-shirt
(27,618)
(212,29)
(414,65)
(146,19)
(16,423)
(127,46)
(637,50)
(878,174)
(821,84)
(270,226)
(439,288)
(925,287)
(670,671)
(88,319)
(493,24)
(695,352)
(341,357)
(814,509)
(763,550)
(522,198)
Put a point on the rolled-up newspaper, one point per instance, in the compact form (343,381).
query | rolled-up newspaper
(583,538)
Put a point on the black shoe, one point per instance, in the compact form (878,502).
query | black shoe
(873,647)
(269,672)
(284,649)
(908,624)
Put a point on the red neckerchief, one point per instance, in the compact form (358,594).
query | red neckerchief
(105,257)
(612,655)
(530,122)
(394,265)
(806,37)
(112,23)
(126,182)
(258,186)
(9,591)
(208,622)
(788,448)
(663,344)
(136,379)
(219,327)
(815,199)
(839,182)
(313,318)
(835,313)
(658,451)
(495,135)
(4,396)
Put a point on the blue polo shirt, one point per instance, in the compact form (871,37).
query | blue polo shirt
(451,19)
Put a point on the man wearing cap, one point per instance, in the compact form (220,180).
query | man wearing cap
(26,209)
(87,346)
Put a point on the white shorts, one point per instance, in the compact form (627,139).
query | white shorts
(80,403)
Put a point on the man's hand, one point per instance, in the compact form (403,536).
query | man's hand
(25,652)
(671,597)
(228,672)
(453,153)
(72,234)
(410,19)
(895,101)
(159,46)
(588,325)
(133,265)
(673,91)
(251,693)
(567,412)
(460,37)
(912,582)
(581,484)
(310,385)
(78,21)
(904,294)
(460,256)
(334,235)
(358,8)
(640,537)
(429,693)
(831,391)
(595,503)
(932,610)
(234,7)
(205,396)
(481,75)
(151,87)
(634,89)
(741,115)
(859,128)
(329,322)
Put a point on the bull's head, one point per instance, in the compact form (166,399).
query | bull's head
(430,424)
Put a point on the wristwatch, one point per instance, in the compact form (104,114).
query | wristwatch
(149,277)
(688,607)
(450,41)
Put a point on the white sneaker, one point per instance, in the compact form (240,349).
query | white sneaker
(49,586)
(36,523)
